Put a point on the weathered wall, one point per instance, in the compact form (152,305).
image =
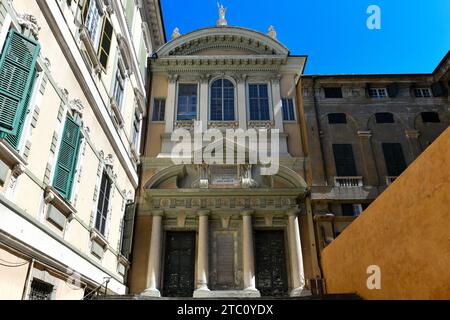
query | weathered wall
(405,232)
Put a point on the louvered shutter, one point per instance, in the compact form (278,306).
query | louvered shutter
(395,160)
(17,73)
(67,158)
(128,228)
(344,159)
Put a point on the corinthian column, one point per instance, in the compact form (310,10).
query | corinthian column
(154,259)
(248,256)
(202,254)
(295,248)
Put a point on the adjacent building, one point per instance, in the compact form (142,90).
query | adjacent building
(73,97)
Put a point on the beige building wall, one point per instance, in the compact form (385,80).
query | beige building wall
(404,232)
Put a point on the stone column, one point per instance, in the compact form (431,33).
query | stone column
(154,259)
(277,104)
(248,256)
(414,144)
(170,103)
(203,254)
(296,256)
(204,103)
(370,167)
(242,102)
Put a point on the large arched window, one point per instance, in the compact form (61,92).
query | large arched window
(222,100)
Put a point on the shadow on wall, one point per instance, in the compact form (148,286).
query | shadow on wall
(399,248)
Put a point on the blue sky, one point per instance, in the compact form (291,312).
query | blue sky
(414,35)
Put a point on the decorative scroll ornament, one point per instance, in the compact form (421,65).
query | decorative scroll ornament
(28,21)
(76,106)
(222,22)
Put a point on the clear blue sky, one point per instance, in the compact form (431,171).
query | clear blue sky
(414,35)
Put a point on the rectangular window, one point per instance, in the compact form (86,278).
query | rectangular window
(431,117)
(351,210)
(337,118)
(333,93)
(187,102)
(378,93)
(40,290)
(288,109)
(159,110)
(119,87)
(394,158)
(67,158)
(384,117)
(136,130)
(17,77)
(103,204)
(91,19)
(259,102)
(105,43)
(344,160)
(422,92)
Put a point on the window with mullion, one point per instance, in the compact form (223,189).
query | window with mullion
(288,109)
(93,20)
(103,204)
(187,102)
(222,100)
(259,102)
(159,110)
(119,87)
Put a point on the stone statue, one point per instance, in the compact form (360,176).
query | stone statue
(222,11)
(176,33)
(272,33)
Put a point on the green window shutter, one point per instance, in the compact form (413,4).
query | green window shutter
(105,44)
(129,12)
(67,158)
(17,75)
(128,227)
(143,58)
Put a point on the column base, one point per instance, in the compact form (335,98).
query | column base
(151,292)
(300,292)
(203,294)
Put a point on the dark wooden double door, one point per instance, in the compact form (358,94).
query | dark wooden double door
(270,263)
(179,264)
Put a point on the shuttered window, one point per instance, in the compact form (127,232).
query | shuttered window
(127,231)
(67,158)
(105,43)
(395,160)
(17,78)
(344,159)
(103,204)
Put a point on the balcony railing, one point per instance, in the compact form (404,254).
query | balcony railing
(348,182)
(390,180)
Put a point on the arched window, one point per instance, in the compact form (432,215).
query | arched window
(222,100)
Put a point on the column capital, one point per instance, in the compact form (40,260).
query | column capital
(157,213)
(412,134)
(203,213)
(294,212)
(364,133)
(173,78)
(247,213)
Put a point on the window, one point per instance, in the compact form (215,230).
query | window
(431,117)
(40,290)
(394,158)
(159,110)
(136,130)
(91,19)
(344,160)
(378,93)
(351,210)
(337,118)
(187,102)
(384,117)
(222,100)
(331,93)
(422,92)
(288,109)
(119,87)
(259,102)
(103,204)
(67,158)
(105,43)
(17,78)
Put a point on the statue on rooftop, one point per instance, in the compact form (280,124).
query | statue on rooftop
(222,11)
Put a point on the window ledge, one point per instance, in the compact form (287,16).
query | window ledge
(223,124)
(52,197)
(117,114)
(261,124)
(86,39)
(99,238)
(11,157)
